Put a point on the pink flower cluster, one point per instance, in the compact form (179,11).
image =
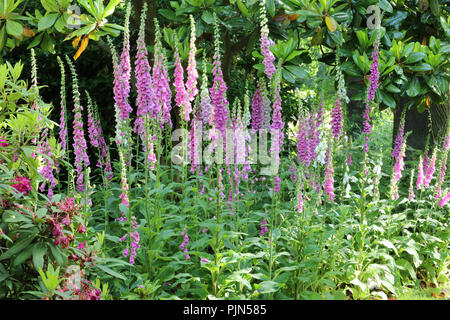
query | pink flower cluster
(264,228)
(269,58)
(161,82)
(218,97)
(122,75)
(181,95)
(134,236)
(184,244)
(21,184)
(256,110)
(3,142)
(61,219)
(336,119)
(308,136)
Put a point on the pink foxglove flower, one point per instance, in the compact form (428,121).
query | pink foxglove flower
(181,95)
(444,199)
(266,44)
(264,228)
(161,82)
(329,179)
(374,78)
(218,90)
(206,112)
(185,243)
(256,110)
(145,100)
(79,142)
(63,124)
(430,170)
(336,120)
(191,83)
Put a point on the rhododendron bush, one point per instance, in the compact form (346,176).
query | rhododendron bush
(193,192)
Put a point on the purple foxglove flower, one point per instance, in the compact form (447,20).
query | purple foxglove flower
(444,199)
(266,43)
(145,95)
(256,110)
(161,82)
(336,120)
(79,142)
(181,95)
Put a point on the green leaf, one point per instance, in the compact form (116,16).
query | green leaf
(434,6)
(387,99)
(420,67)
(351,69)
(389,245)
(385,6)
(18,246)
(243,9)
(47,21)
(14,217)
(3,37)
(362,38)
(414,57)
(111,272)
(270,4)
(22,256)
(39,250)
(109,10)
(299,72)
(50,5)
(267,287)
(413,88)
(208,17)
(14,28)
(392,88)
(396,19)
(405,265)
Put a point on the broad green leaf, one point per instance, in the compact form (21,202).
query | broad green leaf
(435,7)
(109,10)
(414,57)
(243,9)
(413,88)
(387,99)
(111,272)
(3,37)
(405,265)
(18,246)
(298,72)
(270,4)
(14,28)
(47,21)
(420,67)
(39,250)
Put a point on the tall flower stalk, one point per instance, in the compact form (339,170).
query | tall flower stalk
(218,90)
(269,58)
(192,74)
(181,95)
(161,81)
(79,142)
(374,82)
(63,113)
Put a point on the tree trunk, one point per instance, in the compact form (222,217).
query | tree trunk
(149,25)
(419,124)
